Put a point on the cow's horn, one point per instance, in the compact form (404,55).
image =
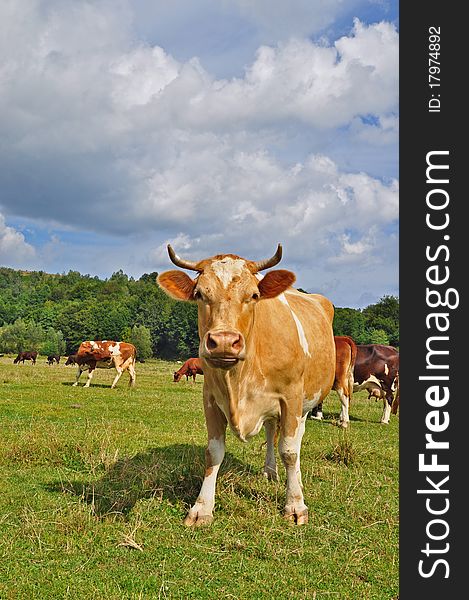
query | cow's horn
(270,262)
(180,262)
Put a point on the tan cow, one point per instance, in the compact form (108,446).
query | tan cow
(105,355)
(269,357)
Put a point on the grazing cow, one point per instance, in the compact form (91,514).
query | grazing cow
(22,356)
(346,353)
(71,360)
(268,358)
(105,355)
(53,357)
(190,368)
(378,364)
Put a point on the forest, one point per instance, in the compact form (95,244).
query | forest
(54,313)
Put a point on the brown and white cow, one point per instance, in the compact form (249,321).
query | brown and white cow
(105,354)
(346,353)
(191,368)
(378,364)
(268,358)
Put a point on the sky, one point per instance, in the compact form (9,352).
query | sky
(219,126)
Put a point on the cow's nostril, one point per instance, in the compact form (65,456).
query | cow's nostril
(211,343)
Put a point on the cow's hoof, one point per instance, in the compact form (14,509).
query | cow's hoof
(384,422)
(343,424)
(195,520)
(270,474)
(297,518)
(74,384)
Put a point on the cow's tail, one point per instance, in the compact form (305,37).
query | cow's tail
(353,357)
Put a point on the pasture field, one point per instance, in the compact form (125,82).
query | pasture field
(95,484)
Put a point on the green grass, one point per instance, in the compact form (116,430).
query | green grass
(96,483)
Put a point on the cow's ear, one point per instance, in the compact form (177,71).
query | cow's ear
(275,282)
(177,284)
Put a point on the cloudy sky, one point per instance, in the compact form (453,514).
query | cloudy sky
(216,125)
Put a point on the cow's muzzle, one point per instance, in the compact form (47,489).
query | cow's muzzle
(223,349)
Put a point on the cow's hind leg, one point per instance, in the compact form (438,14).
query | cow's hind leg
(202,511)
(270,464)
(386,411)
(132,375)
(344,401)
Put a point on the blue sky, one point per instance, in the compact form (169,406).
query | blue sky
(218,126)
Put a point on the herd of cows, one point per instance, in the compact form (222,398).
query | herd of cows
(269,359)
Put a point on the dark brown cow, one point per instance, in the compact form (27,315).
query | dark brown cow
(106,354)
(71,360)
(22,356)
(345,356)
(191,368)
(268,357)
(53,358)
(378,364)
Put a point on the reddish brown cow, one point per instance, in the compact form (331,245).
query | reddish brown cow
(191,368)
(268,358)
(345,356)
(105,355)
(22,356)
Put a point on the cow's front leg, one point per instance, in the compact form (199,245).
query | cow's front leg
(79,372)
(270,464)
(202,511)
(292,427)
(90,377)
(117,377)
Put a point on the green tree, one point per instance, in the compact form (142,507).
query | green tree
(53,343)
(384,315)
(351,322)
(379,336)
(140,337)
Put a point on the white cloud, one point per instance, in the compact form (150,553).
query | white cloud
(101,132)
(14,250)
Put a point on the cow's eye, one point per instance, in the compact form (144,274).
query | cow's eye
(255,296)
(197,295)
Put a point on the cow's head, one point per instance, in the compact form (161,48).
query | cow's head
(227,291)
(176,376)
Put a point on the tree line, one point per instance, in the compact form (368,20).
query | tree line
(53,314)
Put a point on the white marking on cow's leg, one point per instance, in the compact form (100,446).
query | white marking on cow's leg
(289,446)
(301,431)
(117,377)
(386,369)
(90,377)
(344,416)
(386,412)
(202,511)
(270,464)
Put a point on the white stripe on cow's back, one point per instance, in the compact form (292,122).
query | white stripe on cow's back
(227,268)
(299,326)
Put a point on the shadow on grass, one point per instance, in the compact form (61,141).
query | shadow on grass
(93,385)
(173,472)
